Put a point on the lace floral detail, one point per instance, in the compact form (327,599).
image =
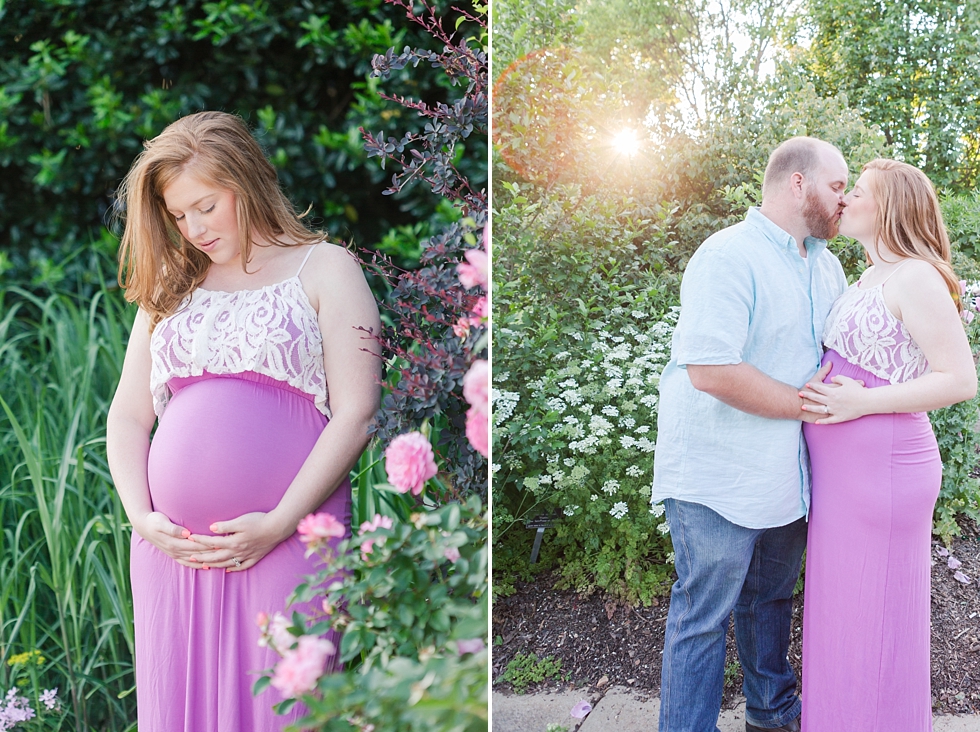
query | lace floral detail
(271,331)
(863,330)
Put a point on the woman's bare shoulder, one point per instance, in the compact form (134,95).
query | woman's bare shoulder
(919,273)
(333,274)
(332,263)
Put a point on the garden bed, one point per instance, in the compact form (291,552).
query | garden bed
(601,644)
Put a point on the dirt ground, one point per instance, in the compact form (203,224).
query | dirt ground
(600,643)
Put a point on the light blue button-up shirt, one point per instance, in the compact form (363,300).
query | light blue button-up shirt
(747,295)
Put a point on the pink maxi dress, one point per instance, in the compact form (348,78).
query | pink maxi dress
(875,482)
(239,388)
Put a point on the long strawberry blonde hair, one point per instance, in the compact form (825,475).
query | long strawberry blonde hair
(158,267)
(909,221)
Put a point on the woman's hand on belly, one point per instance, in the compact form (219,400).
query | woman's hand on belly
(246,538)
(841,401)
(173,540)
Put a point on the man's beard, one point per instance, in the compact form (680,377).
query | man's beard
(821,225)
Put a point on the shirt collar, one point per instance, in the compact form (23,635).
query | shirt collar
(780,237)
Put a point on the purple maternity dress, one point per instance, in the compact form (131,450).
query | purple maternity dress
(239,386)
(875,482)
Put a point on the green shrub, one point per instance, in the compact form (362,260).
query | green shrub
(408,603)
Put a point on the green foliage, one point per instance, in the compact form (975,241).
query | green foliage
(440,693)
(956,432)
(407,596)
(961,213)
(731,671)
(520,27)
(527,669)
(407,602)
(955,429)
(64,569)
(909,67)
(84,83)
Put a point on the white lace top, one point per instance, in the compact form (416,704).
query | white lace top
(864,331)
(271,331)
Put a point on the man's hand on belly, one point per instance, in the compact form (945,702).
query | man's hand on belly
(744,387)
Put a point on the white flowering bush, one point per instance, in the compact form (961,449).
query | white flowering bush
(579,439)
(582,331)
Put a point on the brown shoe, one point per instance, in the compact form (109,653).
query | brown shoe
(791,726)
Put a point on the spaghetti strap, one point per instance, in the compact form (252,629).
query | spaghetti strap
(305,259)
(900,265)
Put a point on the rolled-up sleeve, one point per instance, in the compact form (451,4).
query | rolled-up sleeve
(716,308)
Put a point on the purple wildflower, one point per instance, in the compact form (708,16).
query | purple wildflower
(49,697)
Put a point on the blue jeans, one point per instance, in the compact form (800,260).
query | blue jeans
(723,567)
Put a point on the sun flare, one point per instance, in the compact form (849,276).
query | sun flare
(626,142)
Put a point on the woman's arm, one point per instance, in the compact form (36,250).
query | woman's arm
(128,427)
(344,303)
(918,295)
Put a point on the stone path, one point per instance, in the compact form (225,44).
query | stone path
(623,710)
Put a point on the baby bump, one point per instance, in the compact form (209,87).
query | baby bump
(228,446)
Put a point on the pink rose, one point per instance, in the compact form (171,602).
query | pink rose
(279,630)
(476,386)
(298,671)
(967,316)
(481,310)
(316,528)
(452,554)
(378,522)
(962,288)
(463,325)
(476,272)
(473,645)
(478,430)
(409,462)
(462,328)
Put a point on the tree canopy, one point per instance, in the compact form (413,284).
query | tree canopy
(912,67)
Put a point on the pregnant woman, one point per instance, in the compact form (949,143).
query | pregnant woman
(876,467)
(246,319)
